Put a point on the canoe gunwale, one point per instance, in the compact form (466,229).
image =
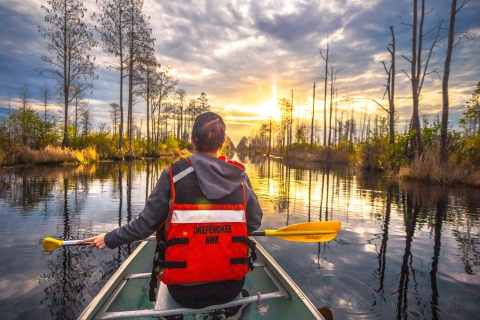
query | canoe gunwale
(94,306)
(286,281)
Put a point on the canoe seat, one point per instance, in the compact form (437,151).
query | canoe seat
(165,305)
(165,301)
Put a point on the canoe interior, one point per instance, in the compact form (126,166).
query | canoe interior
(126,294)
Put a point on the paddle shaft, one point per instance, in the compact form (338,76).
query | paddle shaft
(300,232)
(68,243)
(264,233)
(275,233)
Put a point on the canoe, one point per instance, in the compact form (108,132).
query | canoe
(273,295)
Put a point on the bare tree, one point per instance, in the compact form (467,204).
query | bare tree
(325,78)
(146,77)
(166,85)
(333,77)
(69,41)
(86,119)
(446,74)
(140,44)
(79,102)
(313,116)
(390,87)
(181,95)
(290,125)
(203,105)
(46,93)
(190,111)
(286,107)
(419,70)
(115,115)
(24,96)
(113,21)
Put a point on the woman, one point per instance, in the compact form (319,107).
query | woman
(207,207)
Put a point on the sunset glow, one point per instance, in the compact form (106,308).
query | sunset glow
(245,56)
(269,108)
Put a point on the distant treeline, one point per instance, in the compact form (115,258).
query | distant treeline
(367,144)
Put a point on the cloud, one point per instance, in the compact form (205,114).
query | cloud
(238,52)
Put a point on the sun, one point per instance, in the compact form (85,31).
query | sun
(269,108)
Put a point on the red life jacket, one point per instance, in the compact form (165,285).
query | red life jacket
(205,240)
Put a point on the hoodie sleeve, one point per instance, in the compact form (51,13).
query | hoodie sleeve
(155,211)
(254,211)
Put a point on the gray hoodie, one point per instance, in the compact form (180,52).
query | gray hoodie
(217,179)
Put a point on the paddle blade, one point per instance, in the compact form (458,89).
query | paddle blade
(320,231)
(50,244)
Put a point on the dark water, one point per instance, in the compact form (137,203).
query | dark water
(405,250)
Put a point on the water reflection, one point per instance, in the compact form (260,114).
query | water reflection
(405,249)
(75,275)
(66,203)
(410,219)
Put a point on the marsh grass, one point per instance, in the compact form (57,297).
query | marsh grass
(49,155)
(430,168)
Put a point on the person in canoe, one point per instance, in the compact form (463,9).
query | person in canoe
(203,209)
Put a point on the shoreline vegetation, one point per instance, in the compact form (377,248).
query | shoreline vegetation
(88,149)
(25,138)
(21,155)
(425,151)
(428,168)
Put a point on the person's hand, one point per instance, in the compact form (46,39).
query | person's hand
(98,241)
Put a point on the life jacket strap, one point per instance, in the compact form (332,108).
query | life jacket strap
(160,263)
(157,259)
(176,241)
(239,261)
(252,256)
(174,264)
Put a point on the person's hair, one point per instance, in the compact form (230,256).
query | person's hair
(210,137)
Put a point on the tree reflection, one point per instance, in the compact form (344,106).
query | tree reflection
(412,209)
(382,253)
(439,217)
(76,274)
(411,237)
(468,244)
(282,200)
(26,188)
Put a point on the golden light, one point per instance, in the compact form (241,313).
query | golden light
(271,189)
(269,108)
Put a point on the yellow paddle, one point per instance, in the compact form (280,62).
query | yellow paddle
(321,231)
(50,244)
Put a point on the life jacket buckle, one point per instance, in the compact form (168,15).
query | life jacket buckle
(161,246)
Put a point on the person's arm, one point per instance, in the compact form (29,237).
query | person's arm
(254,211)
(155,211)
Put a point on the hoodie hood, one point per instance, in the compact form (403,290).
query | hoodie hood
(216,177)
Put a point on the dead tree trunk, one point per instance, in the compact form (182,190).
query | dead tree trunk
(415,72)
(391,93)
(446,75)
(325,77)
(313,116)
(419,71)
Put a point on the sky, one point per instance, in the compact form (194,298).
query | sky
(245,55)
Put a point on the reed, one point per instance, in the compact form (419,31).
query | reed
(49,155)
(430,168)
(2,157)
